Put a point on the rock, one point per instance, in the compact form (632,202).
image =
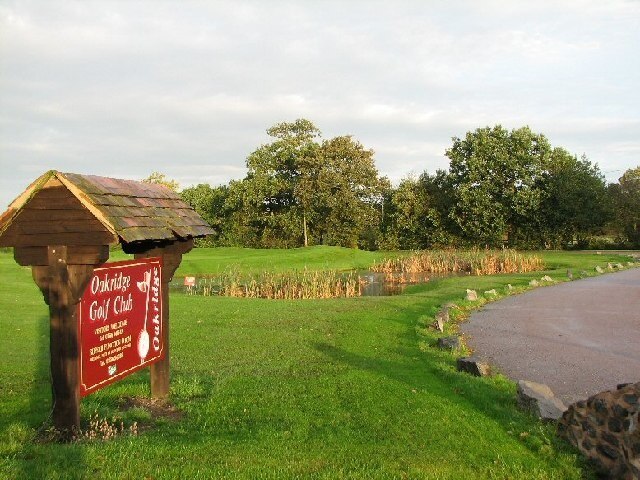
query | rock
(547,278)
(605,430)
(449,305)
(583,273)
(449,343)
(473,366)
(599,269)
(472,295)
(538,399)
(443,315)
(438,325)
(619,266)
(610,266)
(570,274)
(534,283)
(509,286)
(491,292)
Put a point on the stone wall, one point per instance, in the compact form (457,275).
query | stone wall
(605,429)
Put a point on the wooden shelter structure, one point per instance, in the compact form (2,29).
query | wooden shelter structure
(62,226)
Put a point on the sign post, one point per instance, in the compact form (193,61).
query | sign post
(106,321)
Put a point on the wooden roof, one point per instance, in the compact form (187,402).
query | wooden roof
(127,211)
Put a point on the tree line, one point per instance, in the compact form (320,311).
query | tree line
(502,188)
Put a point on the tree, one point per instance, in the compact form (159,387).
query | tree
(575,201)
(494,177)
(161,179)
(443,230)
(626,202)
(211,205)
(299,191)
(407,214)
(341,191)
(269,212)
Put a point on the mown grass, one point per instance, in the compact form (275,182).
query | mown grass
(338,388)
(255,261)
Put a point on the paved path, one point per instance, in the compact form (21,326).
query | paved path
(579,337)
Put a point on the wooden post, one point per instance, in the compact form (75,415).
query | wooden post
(62,286)
(171,257)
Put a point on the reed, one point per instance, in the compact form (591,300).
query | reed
(475,262)
(306,284)
(282,286)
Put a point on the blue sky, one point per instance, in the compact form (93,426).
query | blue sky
(188,88)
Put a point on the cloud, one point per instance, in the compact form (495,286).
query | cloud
(189,88)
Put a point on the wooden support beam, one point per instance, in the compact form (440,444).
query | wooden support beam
(62,285)
(76,255)
(171,257)
(41,240)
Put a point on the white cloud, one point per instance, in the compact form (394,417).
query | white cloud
(189,88)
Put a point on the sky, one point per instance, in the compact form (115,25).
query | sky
(189,88)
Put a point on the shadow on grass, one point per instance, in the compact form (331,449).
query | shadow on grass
(458,392)
(433,370)
(43,457)
(431,376)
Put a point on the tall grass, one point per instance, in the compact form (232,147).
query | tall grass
(475,262)
(293,285)
(306,284)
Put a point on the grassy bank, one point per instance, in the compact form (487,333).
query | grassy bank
(253,261)
(340,388)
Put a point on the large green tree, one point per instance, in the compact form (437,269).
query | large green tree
(575,201)
(342,193)
(299,190)
(494,176)
(267,211)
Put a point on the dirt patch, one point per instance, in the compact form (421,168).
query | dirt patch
(157,407)
(98,428)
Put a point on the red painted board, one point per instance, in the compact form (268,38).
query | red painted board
(120,322)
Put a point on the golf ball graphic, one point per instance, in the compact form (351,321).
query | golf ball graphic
(143,344)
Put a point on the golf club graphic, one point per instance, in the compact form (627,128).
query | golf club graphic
(143,337)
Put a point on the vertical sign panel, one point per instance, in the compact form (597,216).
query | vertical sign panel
(120,322)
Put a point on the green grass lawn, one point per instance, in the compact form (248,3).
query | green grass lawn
(252,260)
(343,388)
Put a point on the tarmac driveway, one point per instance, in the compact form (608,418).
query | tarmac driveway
(579,337)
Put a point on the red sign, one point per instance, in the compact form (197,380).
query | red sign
(120,322)
(189,281)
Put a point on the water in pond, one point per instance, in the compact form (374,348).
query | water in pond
(374,284)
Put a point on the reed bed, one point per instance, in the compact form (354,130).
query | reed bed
(307,284)
(474,262)
(281,286)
